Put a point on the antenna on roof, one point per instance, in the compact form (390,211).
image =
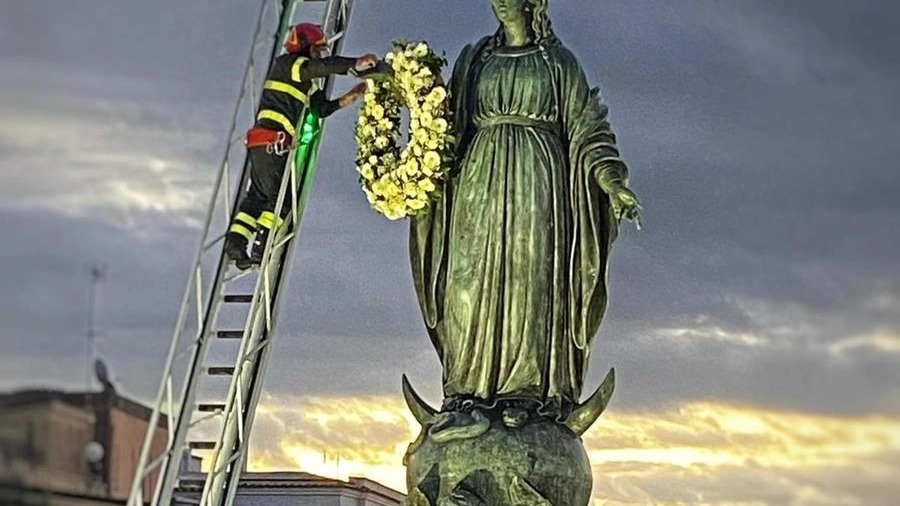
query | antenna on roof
(94,451)
(98,273)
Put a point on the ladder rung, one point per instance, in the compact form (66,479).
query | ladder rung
(230,334)
(220,370)
(202,445)
(239,297)
(210,407)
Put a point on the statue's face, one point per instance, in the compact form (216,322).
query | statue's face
(509,10)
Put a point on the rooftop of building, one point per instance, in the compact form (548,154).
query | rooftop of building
(193,482)
(29,397)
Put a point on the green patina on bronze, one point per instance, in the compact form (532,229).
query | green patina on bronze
(510,269)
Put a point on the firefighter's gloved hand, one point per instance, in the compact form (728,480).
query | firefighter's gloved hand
(353,95)
(358,91)
(365,62)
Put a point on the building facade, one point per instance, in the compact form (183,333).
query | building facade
(84,444)
(49,456)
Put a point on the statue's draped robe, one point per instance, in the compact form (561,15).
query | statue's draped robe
(510,264)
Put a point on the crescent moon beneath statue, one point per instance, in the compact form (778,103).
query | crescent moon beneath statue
(579,421)
(423,413)
(586,413)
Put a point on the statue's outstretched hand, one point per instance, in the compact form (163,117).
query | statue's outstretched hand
(625,203)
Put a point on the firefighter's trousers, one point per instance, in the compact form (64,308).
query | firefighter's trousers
(257,207)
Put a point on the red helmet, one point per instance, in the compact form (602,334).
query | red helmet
(304,36)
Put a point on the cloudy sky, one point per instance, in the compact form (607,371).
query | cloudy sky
(754,321)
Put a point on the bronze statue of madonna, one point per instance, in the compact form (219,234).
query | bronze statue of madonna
(510,264)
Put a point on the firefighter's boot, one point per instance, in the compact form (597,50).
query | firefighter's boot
(259,246)
(237,239)
(236,250)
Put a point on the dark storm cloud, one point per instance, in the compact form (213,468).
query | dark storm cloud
(760,136)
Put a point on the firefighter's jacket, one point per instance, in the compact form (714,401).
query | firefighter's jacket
(292,85)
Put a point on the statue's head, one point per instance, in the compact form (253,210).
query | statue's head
(532,12)
(510,11)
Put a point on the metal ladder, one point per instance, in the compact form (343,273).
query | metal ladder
(223,305)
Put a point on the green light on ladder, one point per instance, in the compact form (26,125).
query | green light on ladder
(310,127)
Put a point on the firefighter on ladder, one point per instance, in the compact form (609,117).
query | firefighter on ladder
(288,90)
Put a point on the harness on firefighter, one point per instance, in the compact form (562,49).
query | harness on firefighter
(276,142)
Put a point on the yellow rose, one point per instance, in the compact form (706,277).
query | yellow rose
(427,185)
(416,203)
(439,125)
(438,94)
(420,135)
(421,50)
(377,111)
(396,209)
(431,160)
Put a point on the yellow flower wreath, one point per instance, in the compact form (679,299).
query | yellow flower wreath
(399,182)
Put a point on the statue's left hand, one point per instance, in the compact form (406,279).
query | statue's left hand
(625,203)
